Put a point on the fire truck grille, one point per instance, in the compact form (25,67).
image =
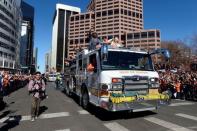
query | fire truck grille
(137,84)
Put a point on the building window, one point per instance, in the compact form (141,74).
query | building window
(136,35)
(98,14)
(129,36)
(82,17)
(77,18)
(104,13)
(133,14)
(151,34)
(158,34)
(110,12)
(1,63)
(87,16)
(125,12)
(144,35)
(93,16)
(116,11)
(72,18)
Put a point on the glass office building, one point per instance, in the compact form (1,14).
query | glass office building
(27,37)
(10,25)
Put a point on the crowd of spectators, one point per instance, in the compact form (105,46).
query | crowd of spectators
(181,83)
(11,82)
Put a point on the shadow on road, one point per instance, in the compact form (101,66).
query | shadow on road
(11,122)
(5,113)
(42,109)
(108,116)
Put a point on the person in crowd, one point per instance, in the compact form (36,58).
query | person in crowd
(36,88)
(177,86)
(106,41)
(5,84)
(1,93)
(95,43)
(58,81)
(116,43)
(183,87)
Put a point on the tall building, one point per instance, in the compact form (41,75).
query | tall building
(112,18)
(27,37)
(35,60)
(47,62)
(10,24)
(60,34)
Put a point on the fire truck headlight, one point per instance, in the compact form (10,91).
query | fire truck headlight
(154,83)
(154,80)
(117,86)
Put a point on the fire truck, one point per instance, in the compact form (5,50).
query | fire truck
(116,79)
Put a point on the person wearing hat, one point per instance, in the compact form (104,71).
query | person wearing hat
(36,88)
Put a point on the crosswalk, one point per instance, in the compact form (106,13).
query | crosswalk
(166,125)
(169,126)
(155,120)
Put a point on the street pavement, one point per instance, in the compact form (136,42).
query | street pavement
(61,113)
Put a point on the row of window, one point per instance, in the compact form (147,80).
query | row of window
(4,36)
(6,11)
(6,55)
(150,34)
(5,46)
(76,41)
(6,20)
(117,11)
(108,13)
(82,17)
(6,64)
(6,28)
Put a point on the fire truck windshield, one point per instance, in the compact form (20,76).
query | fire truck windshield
(118,60)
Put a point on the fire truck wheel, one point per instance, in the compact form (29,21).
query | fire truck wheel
(85,100)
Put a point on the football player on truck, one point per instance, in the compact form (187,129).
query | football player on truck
(116,79)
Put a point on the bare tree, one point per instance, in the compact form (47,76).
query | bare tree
(180,52)
(194,44)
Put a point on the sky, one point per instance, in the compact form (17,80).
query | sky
(176,19)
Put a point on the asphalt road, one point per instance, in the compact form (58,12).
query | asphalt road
(61,113)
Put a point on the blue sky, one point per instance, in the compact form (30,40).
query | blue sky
(176,19)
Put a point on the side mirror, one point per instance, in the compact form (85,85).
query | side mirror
(104,52)
(164,52)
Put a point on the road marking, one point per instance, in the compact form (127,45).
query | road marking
(181,104)
(54,115)
(26,118)
(113,126)
(179,100)
(63,130)
(83,112)
(187,116)
(166,124)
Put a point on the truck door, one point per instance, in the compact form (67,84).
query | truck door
(79,74)
(93,79)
